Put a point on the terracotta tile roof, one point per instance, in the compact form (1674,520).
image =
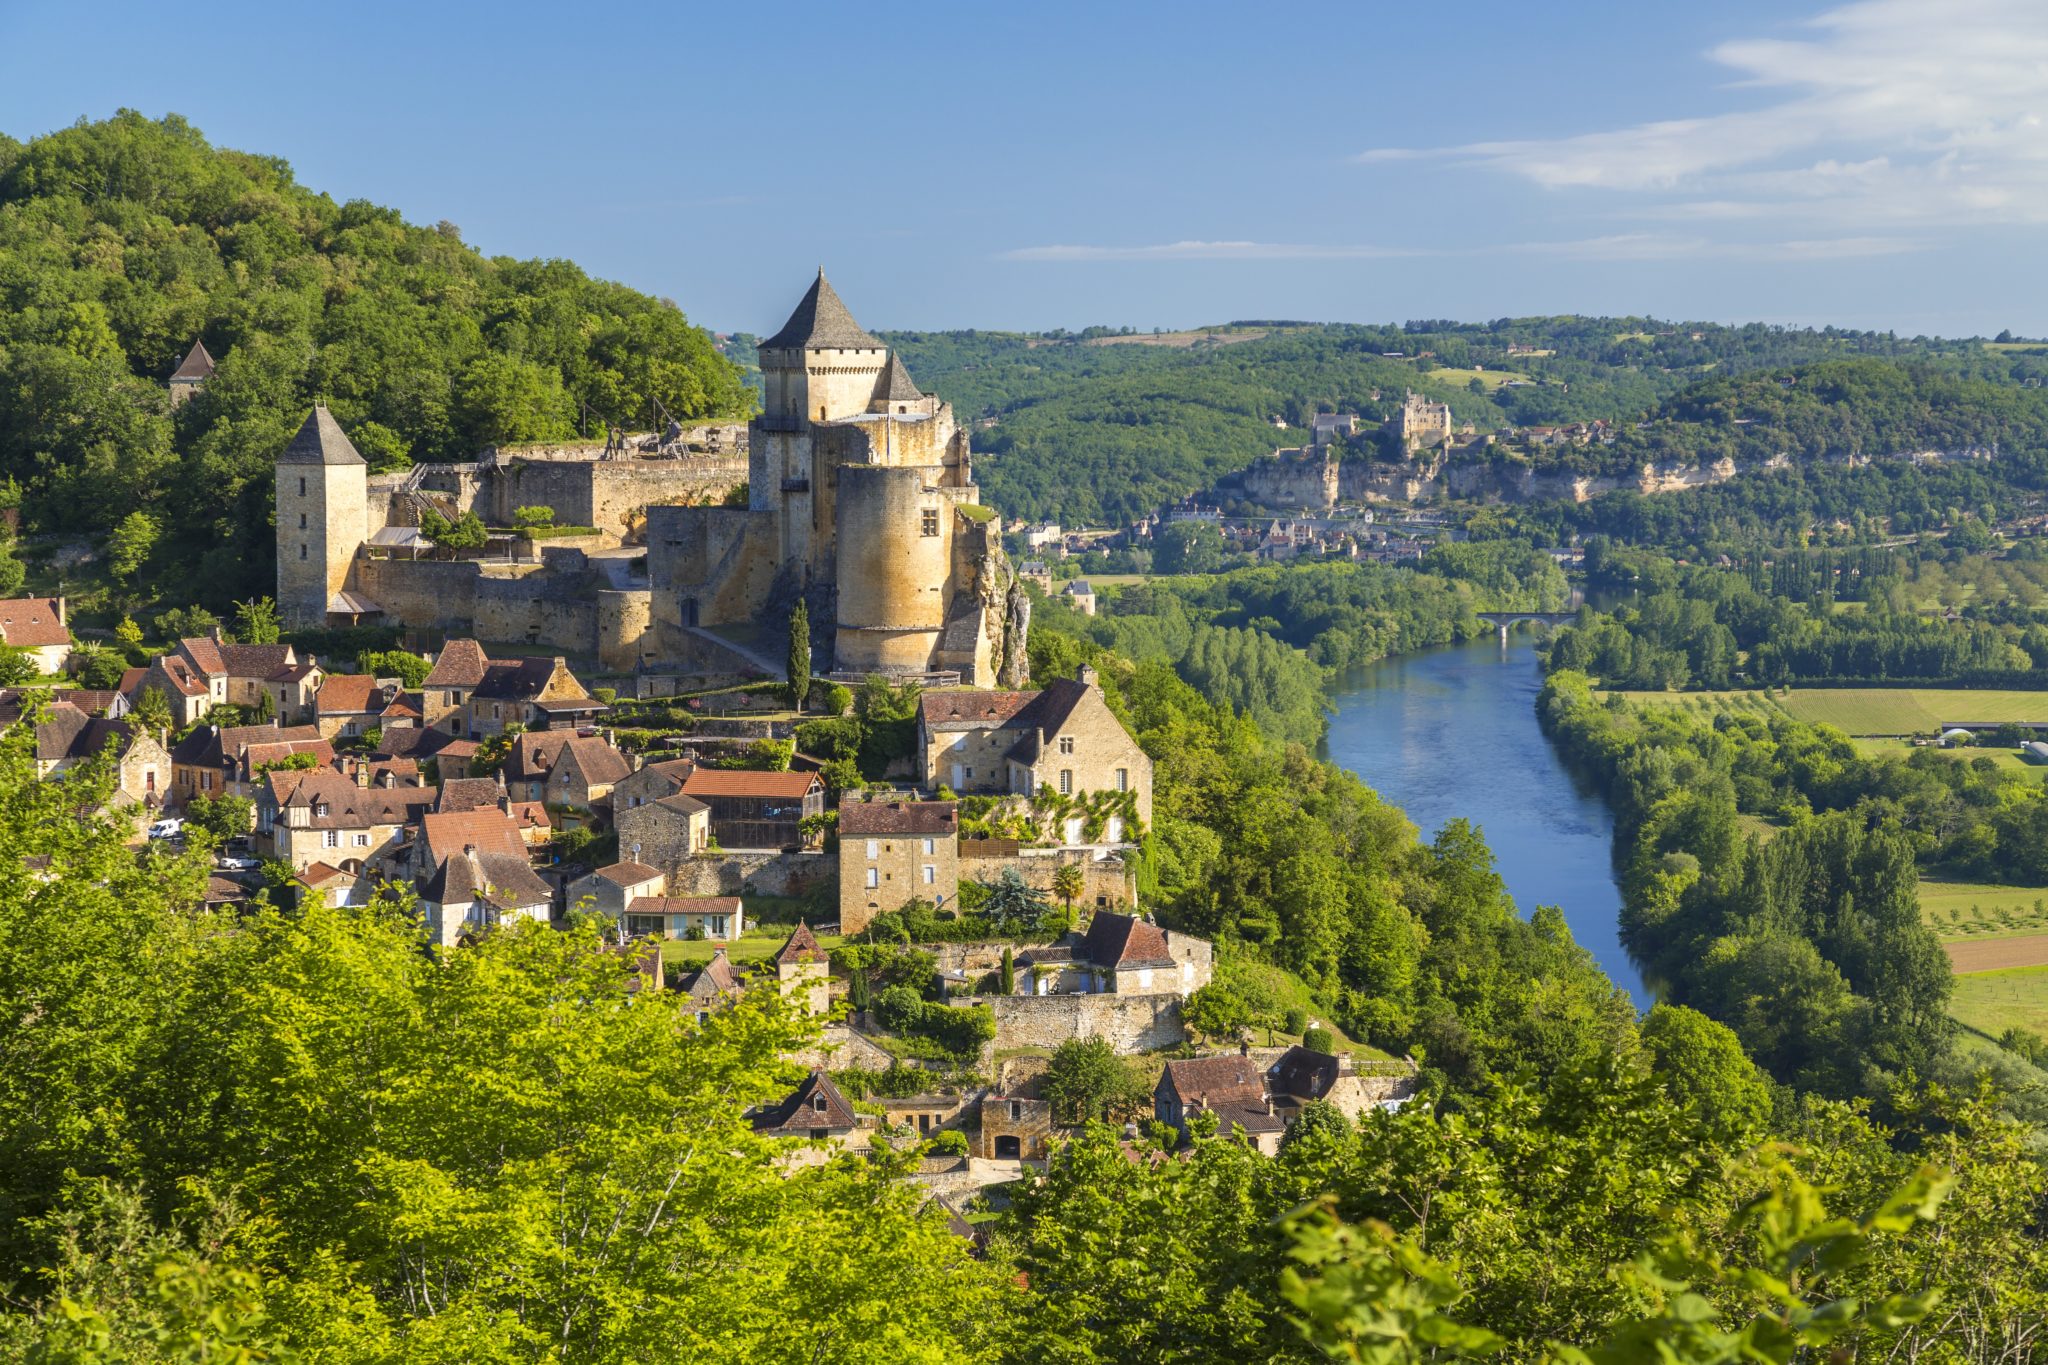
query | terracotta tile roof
(1124,941)
(858,819)
(533,754)
(821,321)
(681,804)
(743,782)
(596,760)
(447,833)
(183,678)
(344,693)
(802,947)
(32,622)
(627,873)
(501,879)
(684,905)
(461,663)
(969,709)
(400,708)
(713,979)
(131,680)
(1216,1082)
(319,874)
(90,700)
(348,805)
(293,673)
(204,652)
(817,1103)
(320,441)
(529,815)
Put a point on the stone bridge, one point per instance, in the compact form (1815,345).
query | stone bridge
(1505,619)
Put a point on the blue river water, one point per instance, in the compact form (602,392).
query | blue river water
(1452,732)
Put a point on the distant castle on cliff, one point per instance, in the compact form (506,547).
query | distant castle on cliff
(859,497)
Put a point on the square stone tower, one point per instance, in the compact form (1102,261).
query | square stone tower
(322,518)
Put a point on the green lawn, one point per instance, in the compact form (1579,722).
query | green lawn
(1866,710)
(1492,379)
(1981,910)
(1992,1002)
(756,945)
(1899,748)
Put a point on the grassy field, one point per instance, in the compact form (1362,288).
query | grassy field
(1866,710)
(1492,379)
(1992,1002)
(1959,910)
(1899,748)
(754,946)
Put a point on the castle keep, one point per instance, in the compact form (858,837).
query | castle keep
(859,498)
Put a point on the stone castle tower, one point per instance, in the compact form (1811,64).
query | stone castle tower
(322,516)
(191,375)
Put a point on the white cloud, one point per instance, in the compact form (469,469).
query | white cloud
(1205,251)
(1884,112)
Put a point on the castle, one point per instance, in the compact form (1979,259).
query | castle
(859,498)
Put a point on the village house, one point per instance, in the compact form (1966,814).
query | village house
(712,985)
(67,737)
(1080,596)
(891,852)
(1013,1128)
(191,375)
(815,1111)
(1064,738)
(320,815)
(563,769)
(477,889)
(610,889)
(37,624)
(333,885)
(657,824)
(751,809)
(1233,1088)
(352,704)
(203,672)
(803,970)
(468,693)
(685,917)
(216,760)
(1119,954)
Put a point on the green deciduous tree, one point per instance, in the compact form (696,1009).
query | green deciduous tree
(799,666)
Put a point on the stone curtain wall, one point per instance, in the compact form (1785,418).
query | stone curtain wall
(1131,1023)
(606,493)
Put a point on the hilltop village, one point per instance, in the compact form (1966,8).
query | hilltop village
(959,927)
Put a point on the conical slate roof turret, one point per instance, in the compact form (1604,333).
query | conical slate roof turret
(895,384)
(196,365)
(321,441)
(821,321)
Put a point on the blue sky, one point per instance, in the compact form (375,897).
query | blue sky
(1880,164)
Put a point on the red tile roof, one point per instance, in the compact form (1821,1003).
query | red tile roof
(1123,941)
(461,663)
(858,819)
(970,708)
(684,905)
(346,692)
(32,622)
(802,947)
(742,782)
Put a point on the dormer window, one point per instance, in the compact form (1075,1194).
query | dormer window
(818,1103)
(320,810)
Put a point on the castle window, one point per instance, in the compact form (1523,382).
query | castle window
(1066,744)
(930,521)
(302,488)
(302,550)
(1066,782)
(302,521)
(1123,779)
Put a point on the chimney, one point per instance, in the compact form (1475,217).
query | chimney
(1087,676)
(60,611)
(362,773)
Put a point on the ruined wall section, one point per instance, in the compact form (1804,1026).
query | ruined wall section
(1131,1023)
(609,494)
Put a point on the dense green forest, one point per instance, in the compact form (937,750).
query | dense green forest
(1094,429)
(124,241)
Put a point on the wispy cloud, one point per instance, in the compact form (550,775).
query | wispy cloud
(1886,112)
(1206,251)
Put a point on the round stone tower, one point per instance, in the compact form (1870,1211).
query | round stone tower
(894,556)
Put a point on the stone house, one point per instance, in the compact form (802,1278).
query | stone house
(445,694)
(609,890)
(352,704)
(203,672)
(1064,738)
(666,833)
(756,809)
(1233,1088)
(444,834)
(1013,1128)
(562,769)
(338,887)
(1134,956)
(479,889)
(891,852)
(1080,596)
(67,737)
(320,815)
(522,692)
(925,1114)
(658,916)
(37,625)
(816,1111)
(191,375)
(803,969)
(216,760)
(712,985)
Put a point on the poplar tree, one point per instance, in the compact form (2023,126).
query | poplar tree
(799,653)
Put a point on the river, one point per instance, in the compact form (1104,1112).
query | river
(1452,732)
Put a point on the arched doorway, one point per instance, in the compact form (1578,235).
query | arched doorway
(1009,1147)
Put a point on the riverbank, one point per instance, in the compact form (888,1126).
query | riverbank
(1452,732)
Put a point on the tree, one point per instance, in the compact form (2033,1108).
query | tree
(466,532)
(97,667)
(1704,1068)
(1008,977)
(533,518)
(256,621)
(410,669)
(1320,1039)
(265,709)
(130,544)
(1218,1012)
(1012,902)
(130,635)
(224,817)
(152,710)
(1068,882)
(1085,1080)
(17,666)
(799,653)
(13,573)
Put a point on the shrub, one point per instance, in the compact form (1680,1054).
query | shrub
(1320,1039)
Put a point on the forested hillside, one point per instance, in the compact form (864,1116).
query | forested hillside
(1097,427)
(122,242)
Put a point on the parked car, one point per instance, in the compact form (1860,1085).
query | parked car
(170,827)
(234,864)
